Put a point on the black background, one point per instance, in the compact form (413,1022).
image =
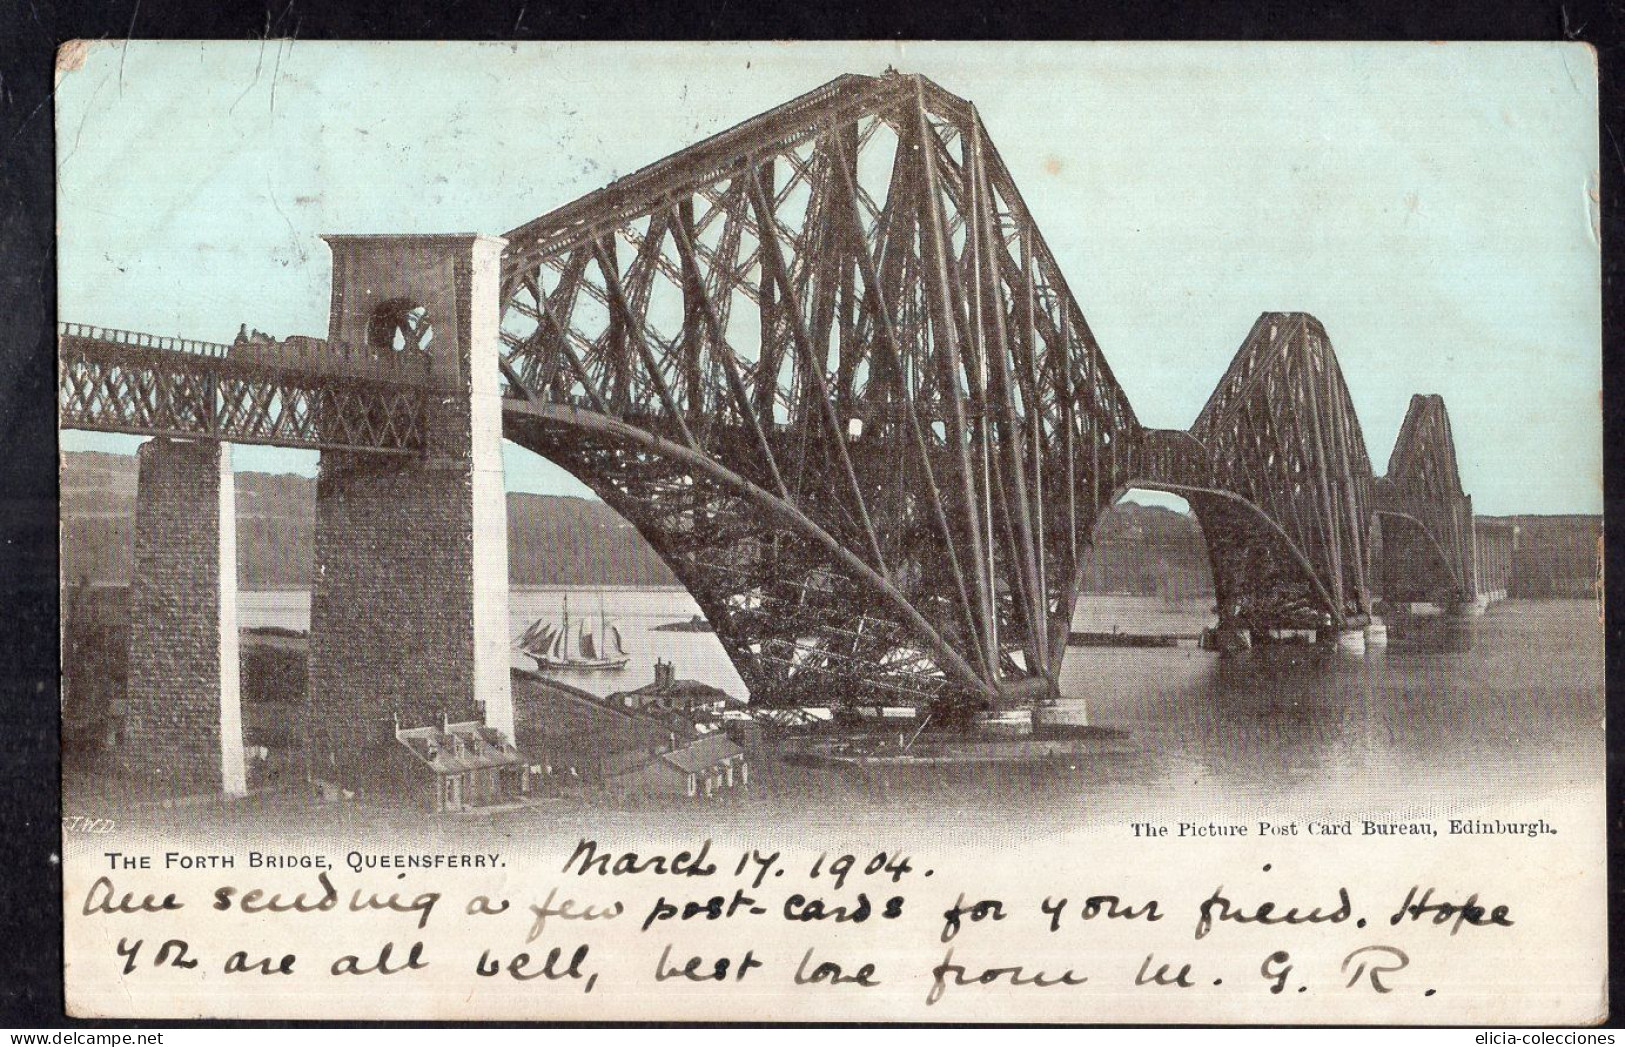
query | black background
(31,30)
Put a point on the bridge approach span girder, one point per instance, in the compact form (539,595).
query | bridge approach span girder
(123,382)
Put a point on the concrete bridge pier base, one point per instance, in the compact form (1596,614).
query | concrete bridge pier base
(1232,640)
(183,728)
(1351,641)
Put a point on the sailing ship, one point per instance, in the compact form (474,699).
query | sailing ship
(553,647)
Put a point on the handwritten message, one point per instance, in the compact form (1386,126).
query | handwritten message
(718,929)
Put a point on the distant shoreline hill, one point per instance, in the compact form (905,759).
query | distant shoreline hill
(552,540)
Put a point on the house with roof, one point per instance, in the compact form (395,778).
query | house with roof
(573,733)
(455,766)
(590,744)
(668,694)
(701,768)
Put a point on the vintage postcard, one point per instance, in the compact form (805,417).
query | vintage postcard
(831,532)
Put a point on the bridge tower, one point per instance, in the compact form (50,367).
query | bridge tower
(409,602)
(1429,542)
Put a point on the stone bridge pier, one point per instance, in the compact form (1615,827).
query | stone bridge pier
(409,602)
(183,727)
(1494,542)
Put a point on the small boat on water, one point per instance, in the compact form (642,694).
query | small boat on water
(553,647)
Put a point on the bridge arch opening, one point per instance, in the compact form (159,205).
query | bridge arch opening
(568,544)
(800,614)
(1145,572)
(561,534)
(1414,567)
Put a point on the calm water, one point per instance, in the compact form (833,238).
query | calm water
(1450,716)
(635,612)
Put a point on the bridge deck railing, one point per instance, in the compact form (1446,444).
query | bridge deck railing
(111,380)
(143,340)
(296,353)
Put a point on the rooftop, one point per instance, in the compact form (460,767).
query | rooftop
(451,748)
(703,753)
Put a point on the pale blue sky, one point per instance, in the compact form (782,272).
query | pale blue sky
(1433,205)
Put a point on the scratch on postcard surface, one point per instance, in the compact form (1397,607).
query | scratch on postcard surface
(258,65)
(125,51)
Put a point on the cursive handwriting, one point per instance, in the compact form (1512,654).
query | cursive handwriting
(103,899)
(1219,909)
(1467,912)
(630,863)
(1015,976)
(566,910)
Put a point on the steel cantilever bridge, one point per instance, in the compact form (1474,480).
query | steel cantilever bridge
(827,365)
